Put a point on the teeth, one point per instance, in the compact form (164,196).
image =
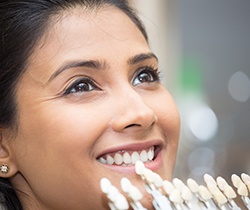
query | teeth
(126,159)
(110,160)
(102,160)
(151,154)
(143,156)
(118,159)
(135,156)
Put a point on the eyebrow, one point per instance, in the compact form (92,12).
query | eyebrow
(141,57)
(93,64)
(96,64)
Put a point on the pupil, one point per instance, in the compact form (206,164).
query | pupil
(82,87)
(144,77)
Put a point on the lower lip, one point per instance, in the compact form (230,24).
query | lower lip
(154,165)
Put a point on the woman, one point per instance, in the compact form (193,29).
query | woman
(81,99)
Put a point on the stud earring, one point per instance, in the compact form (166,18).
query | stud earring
(4,169)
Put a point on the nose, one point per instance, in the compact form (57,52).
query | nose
(132,112)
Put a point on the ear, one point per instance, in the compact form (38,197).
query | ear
(8,166)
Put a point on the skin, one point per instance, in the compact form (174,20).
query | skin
(53,156)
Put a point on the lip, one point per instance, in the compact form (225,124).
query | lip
(154,165)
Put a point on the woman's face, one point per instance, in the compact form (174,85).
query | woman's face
(90,95)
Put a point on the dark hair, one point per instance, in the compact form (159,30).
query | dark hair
(23,22)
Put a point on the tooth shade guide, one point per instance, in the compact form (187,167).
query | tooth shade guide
(157,180)
(229,192)
(221,183)
(178,184)
(204,192)
(134,193)
(242,189)
(178,196)
(186,194)
(147,173)
(168,187)
(175,196)
(139,167)
(245,178)
(219,197)
(117,201)
(125,184)
(192,184)
(209,179)
(105,184)
(236,180)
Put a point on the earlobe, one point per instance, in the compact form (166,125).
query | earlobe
(7,165)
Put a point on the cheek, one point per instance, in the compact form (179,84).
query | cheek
(169,124)
(169,121)
(58,134)
(53,146)
(166,110)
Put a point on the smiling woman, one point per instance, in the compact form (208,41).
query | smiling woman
(81,99)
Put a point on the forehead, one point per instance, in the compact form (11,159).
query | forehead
(78,28)
(107,33)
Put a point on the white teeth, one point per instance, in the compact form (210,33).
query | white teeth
(135,156)
(110,160)
(118,159)
(102,160)
(126,159)
(143,156)
(150,154)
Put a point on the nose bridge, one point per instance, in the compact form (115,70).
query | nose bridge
(132,110)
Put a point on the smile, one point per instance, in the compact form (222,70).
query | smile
(128,158)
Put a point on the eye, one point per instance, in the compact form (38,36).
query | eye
(81,85)
(146,75)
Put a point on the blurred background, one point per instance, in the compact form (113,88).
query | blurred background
(204,53)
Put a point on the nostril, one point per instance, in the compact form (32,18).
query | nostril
(131,125)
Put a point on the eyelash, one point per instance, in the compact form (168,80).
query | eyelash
(148,75)
(81,84)
(154,75)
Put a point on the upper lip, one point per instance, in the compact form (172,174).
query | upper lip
(131,147)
